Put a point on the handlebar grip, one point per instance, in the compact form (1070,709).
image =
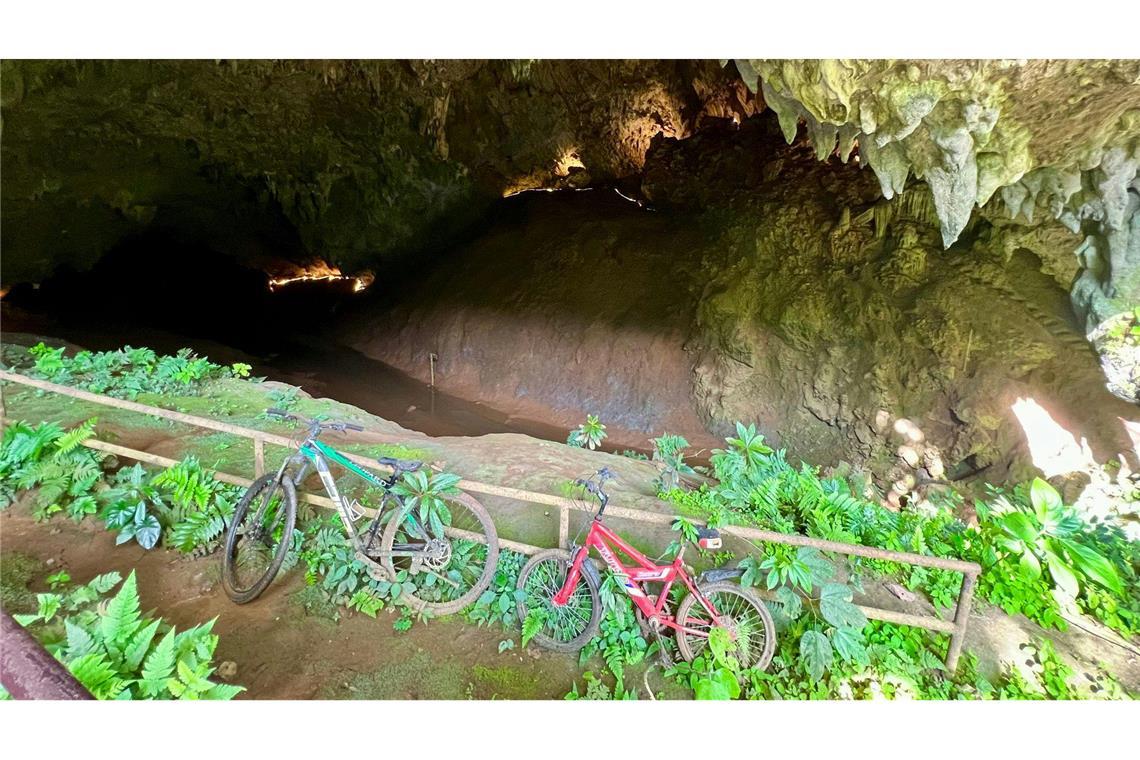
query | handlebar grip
(279,413)
(350,426)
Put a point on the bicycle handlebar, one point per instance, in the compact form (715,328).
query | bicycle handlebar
(315,425)
(597,489)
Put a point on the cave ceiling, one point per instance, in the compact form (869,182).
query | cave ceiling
(374,160)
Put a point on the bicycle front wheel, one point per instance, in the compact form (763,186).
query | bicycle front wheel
(441,574)
(566,628)
(259,536)
(740,611)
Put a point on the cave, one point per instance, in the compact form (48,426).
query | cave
(517,246)
(559,378)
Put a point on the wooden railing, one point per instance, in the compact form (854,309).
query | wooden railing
(956,627)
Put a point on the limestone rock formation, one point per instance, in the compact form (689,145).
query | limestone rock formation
(1058,136)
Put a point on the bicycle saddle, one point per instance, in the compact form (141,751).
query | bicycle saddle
(400,465)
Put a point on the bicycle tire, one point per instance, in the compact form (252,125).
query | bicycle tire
(229,575)
(591,630)
(685,646)
(446,608)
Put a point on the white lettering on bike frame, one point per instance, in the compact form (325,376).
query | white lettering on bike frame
(629,586)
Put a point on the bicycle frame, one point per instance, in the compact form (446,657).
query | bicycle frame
(317,455)
(601,538)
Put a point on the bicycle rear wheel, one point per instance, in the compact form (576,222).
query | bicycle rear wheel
(444,573)
(566,628)
(259,536)
(740,611)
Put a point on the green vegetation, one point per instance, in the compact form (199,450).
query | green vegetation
(669,450)
(129,371)
(619,642)
(53,461)
(1039,557)
(116,652)
(183,503)
(598,690)
(804,583)
(714,674)
(588,435)
(1018,532)
(497,604)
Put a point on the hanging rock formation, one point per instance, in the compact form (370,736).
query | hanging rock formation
(972,128)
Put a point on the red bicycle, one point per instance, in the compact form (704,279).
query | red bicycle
(561,588)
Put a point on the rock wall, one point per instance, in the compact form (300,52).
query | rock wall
(770,287)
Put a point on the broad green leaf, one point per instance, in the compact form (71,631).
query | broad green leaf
(791,603)
(816,653)
(147,531)
(1020,526)
(850,645)
(1044,497)
(837,608)
(1030,566)
(821,570)
(721,684)
(1062,573)
(720,644)
(1094,565)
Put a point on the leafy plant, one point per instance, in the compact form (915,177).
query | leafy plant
(715,674)
(116,652)
(1046,532)
(498,602)
(53,461)
(125,373)
(619,640)
(285,399)
(425,495)
(802,580)
(598,690)
(669,450)
(589,434)
(133,522)
(745,454)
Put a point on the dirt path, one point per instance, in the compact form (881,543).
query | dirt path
(286,645)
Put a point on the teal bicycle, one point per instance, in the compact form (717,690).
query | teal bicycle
(447,552)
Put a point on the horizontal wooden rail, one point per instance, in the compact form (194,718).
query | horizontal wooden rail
(956,628)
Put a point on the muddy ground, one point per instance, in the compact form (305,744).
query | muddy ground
(287,645)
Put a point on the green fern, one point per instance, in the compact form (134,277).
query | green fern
(76,436)
(110,646)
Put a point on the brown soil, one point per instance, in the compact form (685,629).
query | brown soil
(287,649)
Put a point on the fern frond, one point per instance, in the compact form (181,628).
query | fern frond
(122,618)
(75,436)
(158,666)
